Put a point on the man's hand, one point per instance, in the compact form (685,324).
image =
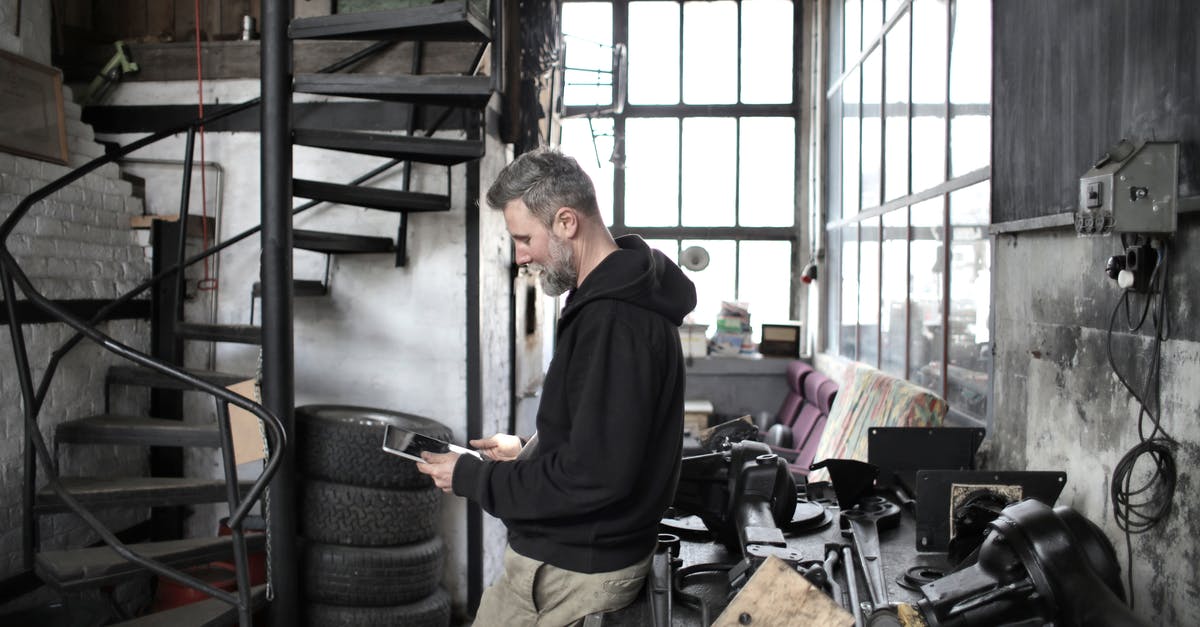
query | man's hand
(440,466)
(500,447)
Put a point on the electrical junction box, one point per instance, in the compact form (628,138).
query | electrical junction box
(1131,190)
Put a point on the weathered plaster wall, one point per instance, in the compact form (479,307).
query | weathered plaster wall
(1059,101)
(387,337)
(496,328)
(1059,407)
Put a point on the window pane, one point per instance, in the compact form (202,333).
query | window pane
(850,146)
(895,174)
(970,300)
(652,172)
(929,94)
(929,51)
(927,269)
(653,52)
(767,186)
(593,153)
(849,275)
(669,247)
(852,31)
(587,31)
(709,171)
(872,129)
(868,292)
(872,11)
(970,87)
(832,272)
(710,52)
(766,51)
(893,282)
(714,283)
(765,282)
(834,157)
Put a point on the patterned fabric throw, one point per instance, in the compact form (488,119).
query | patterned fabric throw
(873,399)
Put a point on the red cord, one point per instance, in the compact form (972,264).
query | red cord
(207,283)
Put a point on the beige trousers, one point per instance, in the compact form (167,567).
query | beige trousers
(535,594)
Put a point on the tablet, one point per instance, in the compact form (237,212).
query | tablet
(410,444)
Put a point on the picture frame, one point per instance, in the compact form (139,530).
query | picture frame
(31,95)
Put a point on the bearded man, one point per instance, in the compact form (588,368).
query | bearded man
(582,498)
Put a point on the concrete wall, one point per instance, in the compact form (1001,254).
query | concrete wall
(76,244)
(1058,404)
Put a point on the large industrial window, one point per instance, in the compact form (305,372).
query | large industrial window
(908,253)
(698,146)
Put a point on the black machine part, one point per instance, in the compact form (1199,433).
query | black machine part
(1036,565)
(744,495)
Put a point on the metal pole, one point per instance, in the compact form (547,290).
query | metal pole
(276,277)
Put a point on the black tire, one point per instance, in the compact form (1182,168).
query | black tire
(348,575)
(432,611)
(335,513)
(344,444)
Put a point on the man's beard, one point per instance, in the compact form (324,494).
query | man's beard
(558,275)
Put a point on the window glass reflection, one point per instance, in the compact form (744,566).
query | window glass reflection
(764,269)
(926,272)
(893,284)
(653,52)
(591,144)
(652,172)
(710,52)
(872,129)
(767,187)
(896,111)
(587,33)
(709,171)
(766,51)
(849,292)
(970,300)
(868,292)
(714,283)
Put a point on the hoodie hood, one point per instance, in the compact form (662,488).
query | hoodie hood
(639,275)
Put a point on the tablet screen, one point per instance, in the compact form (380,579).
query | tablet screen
(411,444)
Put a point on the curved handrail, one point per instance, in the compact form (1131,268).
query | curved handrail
(11,273)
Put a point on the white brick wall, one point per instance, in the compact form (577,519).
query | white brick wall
(75,244)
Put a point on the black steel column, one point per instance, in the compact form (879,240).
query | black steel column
(474,367)
(277,376)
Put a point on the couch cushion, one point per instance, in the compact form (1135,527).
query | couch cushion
(874,399)
(797,373)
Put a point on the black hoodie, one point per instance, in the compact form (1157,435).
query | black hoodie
(609,425)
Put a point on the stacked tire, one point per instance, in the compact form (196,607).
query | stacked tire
(371,553)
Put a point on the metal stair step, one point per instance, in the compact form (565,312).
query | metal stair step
(372,197)
(340,242)
(448,21)
(464,91)
(300,289)
(206,613)
(139,430)
(82,568)
(421,149)
(137,375)
(135,492)
(236,333)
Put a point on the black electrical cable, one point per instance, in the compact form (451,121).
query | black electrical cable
(1137,510)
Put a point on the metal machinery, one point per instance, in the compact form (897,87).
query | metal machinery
(1017,560)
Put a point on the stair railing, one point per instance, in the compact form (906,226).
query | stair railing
(13,277)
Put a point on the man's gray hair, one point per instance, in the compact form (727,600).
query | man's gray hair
(545,180)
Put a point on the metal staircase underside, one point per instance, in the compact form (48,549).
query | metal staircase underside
(70,570)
